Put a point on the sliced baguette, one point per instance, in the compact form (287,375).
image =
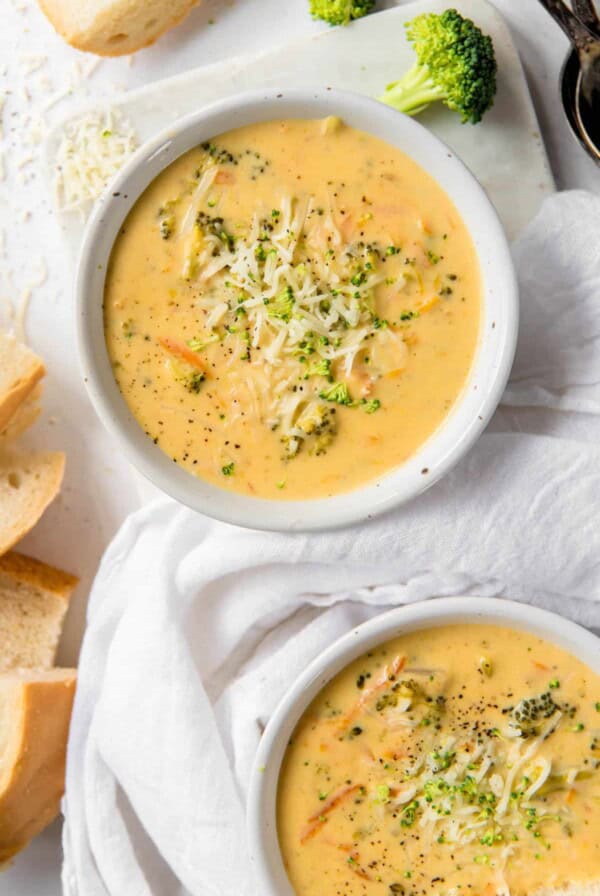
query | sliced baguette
(35,710)
(20,371)
(28,483)
(34,598)
(114,27)
(25,415)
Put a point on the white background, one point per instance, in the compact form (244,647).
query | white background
(74,533)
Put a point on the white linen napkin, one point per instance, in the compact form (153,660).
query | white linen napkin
(196,628)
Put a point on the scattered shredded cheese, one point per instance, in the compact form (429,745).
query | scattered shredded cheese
(90,153)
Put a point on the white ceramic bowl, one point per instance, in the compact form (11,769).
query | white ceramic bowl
(270,874)
(493,358)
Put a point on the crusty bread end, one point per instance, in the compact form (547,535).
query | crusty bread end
(35,711)
(34,598)
(114,27)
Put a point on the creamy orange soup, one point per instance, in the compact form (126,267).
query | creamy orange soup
(458,760)
(293,309)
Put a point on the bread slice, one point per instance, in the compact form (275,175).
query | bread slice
(28,483)
(20,371)
(34,598)
(25,415)
(114,27)
(35,711)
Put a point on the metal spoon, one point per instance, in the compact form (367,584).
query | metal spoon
(580,81)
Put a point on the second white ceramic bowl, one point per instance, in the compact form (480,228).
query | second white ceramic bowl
(271,877)
(494,355)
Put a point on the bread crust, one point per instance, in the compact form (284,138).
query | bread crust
(109,34)
(32,784)
(34,599)
(22,568)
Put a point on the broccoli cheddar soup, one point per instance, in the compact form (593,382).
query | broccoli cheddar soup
(292,309)
(457,760)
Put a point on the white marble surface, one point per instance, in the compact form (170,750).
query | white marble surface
(74,533)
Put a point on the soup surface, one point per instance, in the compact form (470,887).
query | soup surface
(293,309)
(456,760)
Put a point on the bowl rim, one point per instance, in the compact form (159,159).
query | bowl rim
(261,825)
(457,432)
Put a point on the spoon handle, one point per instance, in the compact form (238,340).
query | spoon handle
(575,30)
(586,13)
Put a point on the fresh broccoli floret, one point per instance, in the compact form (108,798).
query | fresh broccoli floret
(340,12)
(455,64)
(281,307)
(337,393)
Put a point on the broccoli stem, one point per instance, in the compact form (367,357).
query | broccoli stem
(412,93)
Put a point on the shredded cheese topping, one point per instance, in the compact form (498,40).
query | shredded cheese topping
(92,150)
(468,792)
(299,300)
